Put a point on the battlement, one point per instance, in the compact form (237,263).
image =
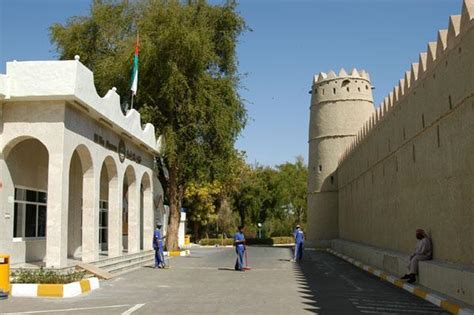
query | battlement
(331,75)
(424,69)
(330,87)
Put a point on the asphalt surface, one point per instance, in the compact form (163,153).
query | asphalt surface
(205,283)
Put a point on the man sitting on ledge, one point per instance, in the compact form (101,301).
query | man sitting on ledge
(423,251)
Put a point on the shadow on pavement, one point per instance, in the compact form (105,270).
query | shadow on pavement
(330,285)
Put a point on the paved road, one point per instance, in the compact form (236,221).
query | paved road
(205,283)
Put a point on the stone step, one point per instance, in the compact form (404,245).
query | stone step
(126,263)
(118,270)
(108,261)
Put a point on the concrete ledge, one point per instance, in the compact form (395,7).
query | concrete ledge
(55,290)
(453,280)
(448,305)
(175,253)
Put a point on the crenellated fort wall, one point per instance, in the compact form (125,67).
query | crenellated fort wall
(411,165)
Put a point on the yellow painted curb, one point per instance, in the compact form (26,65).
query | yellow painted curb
(52,290)
(85,286)
(453,308)
(175,253)
(430,297)
(420,293)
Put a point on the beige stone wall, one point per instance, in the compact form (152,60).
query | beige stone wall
(414,167)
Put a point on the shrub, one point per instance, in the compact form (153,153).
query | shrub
(259,241)
(216,241)
(270,240)
(283,240)
(49,276)
(248,241)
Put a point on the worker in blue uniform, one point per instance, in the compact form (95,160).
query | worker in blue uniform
(158,247)
(299,241)
(239,242)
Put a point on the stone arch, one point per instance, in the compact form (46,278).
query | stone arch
(26,179)
(108,201)
(17,140)
(82,229)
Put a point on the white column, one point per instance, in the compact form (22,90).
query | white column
(57,210)
(115,215)
(134,217)
(148,218)
(90,214)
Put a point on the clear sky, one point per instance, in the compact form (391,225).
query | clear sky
(290,41)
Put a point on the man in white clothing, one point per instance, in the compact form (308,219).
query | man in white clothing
(423,251)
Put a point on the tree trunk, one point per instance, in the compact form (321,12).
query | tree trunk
(196,231)
(174,197)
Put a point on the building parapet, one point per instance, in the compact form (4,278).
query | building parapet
(447,39)
(71,81)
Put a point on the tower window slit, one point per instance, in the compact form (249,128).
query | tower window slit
(437,133)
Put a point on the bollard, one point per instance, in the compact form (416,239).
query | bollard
(4,274)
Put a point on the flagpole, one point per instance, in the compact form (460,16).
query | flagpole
(134,86)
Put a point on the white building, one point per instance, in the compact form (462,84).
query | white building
(76,175)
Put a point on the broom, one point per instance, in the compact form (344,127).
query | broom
(246,261)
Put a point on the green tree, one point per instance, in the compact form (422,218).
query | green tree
(188,79)
(292,181)
(275,197)
(200,199)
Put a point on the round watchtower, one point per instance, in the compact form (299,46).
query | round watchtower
(340,105)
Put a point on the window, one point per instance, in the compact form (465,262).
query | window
(320,168)
(29,218)
(103,222)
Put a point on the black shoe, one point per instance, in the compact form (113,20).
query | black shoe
(405,277)
(411,279)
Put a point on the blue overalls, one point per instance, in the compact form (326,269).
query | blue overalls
(239,249)
(299,240)
(158,247)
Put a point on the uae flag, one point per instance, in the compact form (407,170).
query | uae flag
(134,86)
